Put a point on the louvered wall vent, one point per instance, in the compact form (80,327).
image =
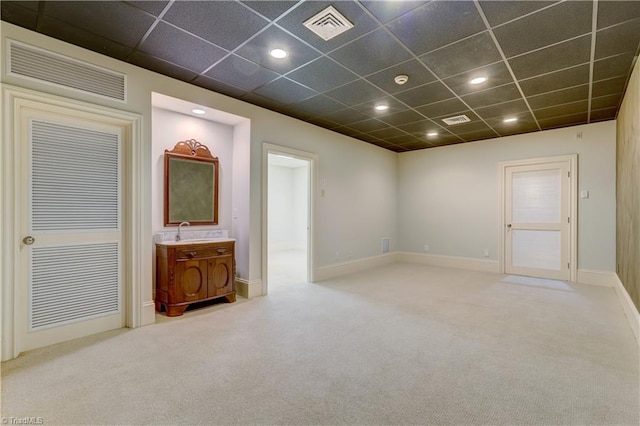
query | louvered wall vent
(328,23)
(52,68)
(458,119)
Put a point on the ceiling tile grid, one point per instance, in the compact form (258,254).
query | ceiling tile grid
(546,64)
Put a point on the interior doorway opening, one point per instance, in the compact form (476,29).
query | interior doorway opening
(288,221)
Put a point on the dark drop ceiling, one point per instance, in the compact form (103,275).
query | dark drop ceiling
(548,64)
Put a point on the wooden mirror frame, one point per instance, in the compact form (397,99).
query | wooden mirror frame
(190,151)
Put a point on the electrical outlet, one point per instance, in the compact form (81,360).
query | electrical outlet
(350,254)
(426,247)
(486,252)
(337,255)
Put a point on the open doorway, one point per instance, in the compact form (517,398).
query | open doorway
(287,220)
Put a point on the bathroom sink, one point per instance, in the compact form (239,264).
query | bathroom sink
(197,241)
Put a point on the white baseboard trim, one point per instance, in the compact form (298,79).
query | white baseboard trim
(344,268)
(467,263)
(594,277)
(148,313)
(248,288)
(628,307)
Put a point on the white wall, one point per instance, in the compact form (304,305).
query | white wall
(445,197)
(300,177)
(288,187)
(359,206)
(449,197)
(281,214)
(169,128)
(241,202)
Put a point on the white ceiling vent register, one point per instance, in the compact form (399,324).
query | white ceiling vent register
(48,67)
(328,23)
(458,119)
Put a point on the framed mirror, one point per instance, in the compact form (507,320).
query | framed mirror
(190,185)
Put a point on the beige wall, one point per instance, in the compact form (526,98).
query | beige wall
(358,208)
(628,189)
(446,197)
(449,197)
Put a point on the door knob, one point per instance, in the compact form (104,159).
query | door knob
(28,240)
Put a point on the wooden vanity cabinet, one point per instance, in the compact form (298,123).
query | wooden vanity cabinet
(193,272)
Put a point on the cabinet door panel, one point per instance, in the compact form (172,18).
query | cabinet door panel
(220,276)
(192,280)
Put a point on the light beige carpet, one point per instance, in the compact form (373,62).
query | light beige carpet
(401,344)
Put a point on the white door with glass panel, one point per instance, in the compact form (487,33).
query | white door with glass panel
(71,229)
(537,220)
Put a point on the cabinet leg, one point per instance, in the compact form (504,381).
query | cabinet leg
(158,306)
(176,311)
(230,298)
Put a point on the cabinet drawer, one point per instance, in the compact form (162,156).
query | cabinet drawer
(204,252)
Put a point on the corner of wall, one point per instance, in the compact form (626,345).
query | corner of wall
(248,289)
(629,308)
(466,263)
(339,269)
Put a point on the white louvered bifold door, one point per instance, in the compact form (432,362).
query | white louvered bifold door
(537,220)
(74,254)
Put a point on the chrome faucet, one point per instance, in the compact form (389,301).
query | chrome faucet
(179,236)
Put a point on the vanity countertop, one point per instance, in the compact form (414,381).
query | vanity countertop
(195,241)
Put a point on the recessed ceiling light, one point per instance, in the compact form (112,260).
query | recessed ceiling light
(510,119)
(401,79)
(382,107)
(198,111)
(432,134)
(478,80)
(278,53)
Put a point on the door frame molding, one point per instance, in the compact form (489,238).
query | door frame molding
(269,148)
(573,206)
(15,102)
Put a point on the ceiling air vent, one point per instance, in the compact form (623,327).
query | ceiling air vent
(458,119)
(41,65)
(328,23)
